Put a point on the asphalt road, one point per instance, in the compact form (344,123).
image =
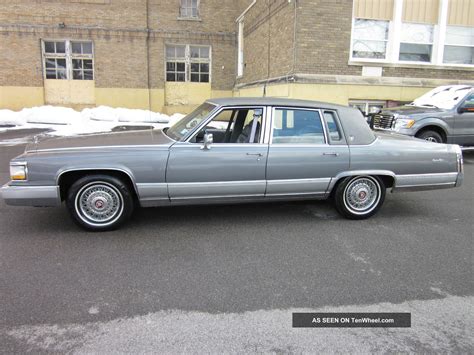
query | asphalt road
(237,270)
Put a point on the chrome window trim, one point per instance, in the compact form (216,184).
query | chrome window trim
(343,141)
(216,112)
(294,108)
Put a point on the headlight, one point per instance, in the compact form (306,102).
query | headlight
(404,122)
(18,171)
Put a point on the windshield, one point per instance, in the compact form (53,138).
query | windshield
(187,123)
(442,97)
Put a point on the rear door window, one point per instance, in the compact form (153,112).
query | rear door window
(297,126)
(334,131)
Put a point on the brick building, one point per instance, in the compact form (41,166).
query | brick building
(171,55)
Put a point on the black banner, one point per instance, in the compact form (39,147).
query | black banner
(351,320)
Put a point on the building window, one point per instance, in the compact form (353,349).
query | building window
(188,63)
(68,60)
(199,61)
(431,32)
(369,39)
(368,106)
(416,42)
(175,63)
(459,45)
(189,9)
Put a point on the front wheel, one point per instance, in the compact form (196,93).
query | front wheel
(431,136)
(359,197)
(99,202)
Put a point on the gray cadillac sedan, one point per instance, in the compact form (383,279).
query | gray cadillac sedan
(228,151)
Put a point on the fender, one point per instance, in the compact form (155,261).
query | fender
(92,168)
(345,174)
(432,121)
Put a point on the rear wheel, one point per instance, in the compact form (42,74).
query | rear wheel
(99,202)
(431,136)
(359,197)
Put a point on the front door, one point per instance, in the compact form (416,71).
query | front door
(232,167)
(464,122)
(305,152)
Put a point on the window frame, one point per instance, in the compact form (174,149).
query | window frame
(445,44)
(394,40)
(69,56)
(367,103)
(189,8)
(188,61)
(323,125)
(432,44)
(215,113)
(175,60)
(337,121)
(464,100)
(386,41)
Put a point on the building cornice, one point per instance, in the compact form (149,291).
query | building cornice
(114,32)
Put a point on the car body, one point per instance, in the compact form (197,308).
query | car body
(227,151)
(443,115)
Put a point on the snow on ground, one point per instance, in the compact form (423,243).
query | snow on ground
(65,121)
(442,325)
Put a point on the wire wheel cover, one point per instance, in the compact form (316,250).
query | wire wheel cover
(99,203)
(362,195)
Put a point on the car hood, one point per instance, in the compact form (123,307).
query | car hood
(412,110)
(97,140)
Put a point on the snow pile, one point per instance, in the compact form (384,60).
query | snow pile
(65,121)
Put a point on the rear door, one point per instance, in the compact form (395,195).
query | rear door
(307,149)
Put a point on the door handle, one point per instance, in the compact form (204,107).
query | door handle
(334,154)
(256,154)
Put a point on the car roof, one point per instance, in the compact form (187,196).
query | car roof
(272,101)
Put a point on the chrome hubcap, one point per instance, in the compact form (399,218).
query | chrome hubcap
(99,203)
(362,195)
(431,139)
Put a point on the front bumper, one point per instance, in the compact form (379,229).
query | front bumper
(46,196)
(405,131)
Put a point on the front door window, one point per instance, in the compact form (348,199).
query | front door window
(238,125)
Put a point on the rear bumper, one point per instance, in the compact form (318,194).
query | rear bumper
(31,195)
(420,182)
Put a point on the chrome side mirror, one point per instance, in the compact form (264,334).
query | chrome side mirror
(207,141)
